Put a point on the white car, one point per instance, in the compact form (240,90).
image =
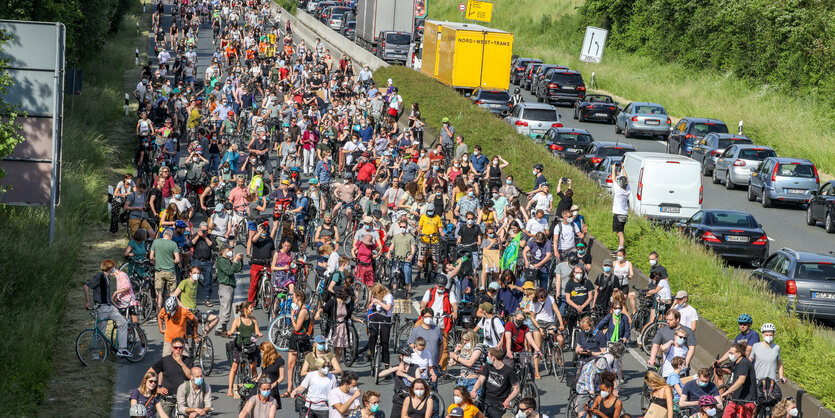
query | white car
(534,119)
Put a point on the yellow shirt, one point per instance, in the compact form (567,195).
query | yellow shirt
(429,226)
(470,411)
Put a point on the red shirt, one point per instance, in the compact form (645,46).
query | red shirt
(366,171)
(518,342)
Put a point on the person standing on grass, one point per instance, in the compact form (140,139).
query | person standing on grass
(620,204)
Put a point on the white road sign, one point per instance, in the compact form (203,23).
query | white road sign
(593,44)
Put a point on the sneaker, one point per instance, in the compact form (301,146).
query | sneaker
(209,304)
(141,351)
(124,353)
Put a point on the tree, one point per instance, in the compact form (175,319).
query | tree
(10,131)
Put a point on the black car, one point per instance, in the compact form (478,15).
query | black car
(322,7)
(597,151)
(690,130)
(539,75)
(568,143)
(708,150)
(806,281)
(821,207)
(599,107)
(527,76)
(518,67)
(561,86)
(349,29)
(732,234)
(496,101)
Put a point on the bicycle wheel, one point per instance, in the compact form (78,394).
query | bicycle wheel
(438,406)
(377,364)
(361,293)
(648,335)
(645,397)
(279,332)
(146,306)
(529,390)
(244,372)
(91,347)
(267,297)
(557,362)
(349,354)
(137,343)
(571,406)
(297,370)
(639,319)
(206,355)
(575,337)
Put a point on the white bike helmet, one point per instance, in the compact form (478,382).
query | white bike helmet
(171,305)
(768,326)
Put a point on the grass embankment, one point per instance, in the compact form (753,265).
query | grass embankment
(36,277)
(795,126)
(289,5)
(720,294)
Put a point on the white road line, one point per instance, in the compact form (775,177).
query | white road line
(771,239)
(634,353)
(661,142)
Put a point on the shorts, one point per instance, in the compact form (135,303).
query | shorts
(299,343)
(238,355)
(348,205)
(582,400)
(545,324)
(251,226)
(165,280)
(618,222)
(435,249)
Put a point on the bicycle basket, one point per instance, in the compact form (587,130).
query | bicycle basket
(249,348)
(402,306)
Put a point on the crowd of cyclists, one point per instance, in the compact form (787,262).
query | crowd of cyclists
(281,159)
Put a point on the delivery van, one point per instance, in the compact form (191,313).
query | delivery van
(663,187)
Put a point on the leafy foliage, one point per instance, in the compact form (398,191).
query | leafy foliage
(9,130)
(289,5)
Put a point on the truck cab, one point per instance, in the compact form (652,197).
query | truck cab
(394,46)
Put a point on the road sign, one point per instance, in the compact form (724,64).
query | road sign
(593,44)
(462,7)
(479,10)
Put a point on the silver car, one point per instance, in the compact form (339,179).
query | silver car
(643,118)
(735,164)
(782,179)
(311,6)
(602,172)
(534,119)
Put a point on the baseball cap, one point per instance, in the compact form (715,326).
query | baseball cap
(367,219)
(486,307)
(681,294)
(313,181)
(607,262)
(494,286)
(389,81)
(219,207)
(456,412)
(445,120)
(320,339)
(285,181)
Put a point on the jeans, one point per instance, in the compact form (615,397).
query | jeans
(214,162)
(469,383)
(226,294)
(543,278)
(406,268)
(561,304)
(206,271)
(109,312)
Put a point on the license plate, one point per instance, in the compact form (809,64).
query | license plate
(568,87)
(736,238)
(538,131)
(496,106)
(823,295)
(795,191)
(572,150)
(670,209)
(652,122)
(600,114)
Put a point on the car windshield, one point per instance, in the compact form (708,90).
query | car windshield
(598,99)
(756,154)
(613,151)
(725,142)
(540,114)
(494,96)
(572,136)
(567,78)
(339,11)
(702,129)
(731,219)
(815,271)
(650,110)
(398,38)
(796,170)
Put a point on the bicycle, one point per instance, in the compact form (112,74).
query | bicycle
(309,403)
(204,351)
(523,367)
(349,354)
(93,343)
(377,356)
(143,287)
(281,327)
(641,315)
(648,334)
(552,353)
(571,406)
(429,264)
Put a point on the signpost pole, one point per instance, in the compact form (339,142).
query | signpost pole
(56,129)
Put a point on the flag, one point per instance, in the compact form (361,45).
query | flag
(511,253)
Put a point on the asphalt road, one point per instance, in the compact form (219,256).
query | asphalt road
(785,225)
(553,394)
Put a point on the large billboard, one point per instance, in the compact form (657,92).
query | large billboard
(420,9)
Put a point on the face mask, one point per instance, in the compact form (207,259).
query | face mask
(198,381)
(430,213)
(178,196)
(367,227)
(375,407)
(732,357)
(701,384)
(581,252)
(229,254)
(521,414)
(470,194)
(578,276)
(620,258)
(495,163)
(604,394)
(265,393)
(680,341)
(518,323)
(491,235)
(489,360)
(616,312)
(419,393)
(768,339)
(607,269)
(457,400)
(263,235)
(653,262)
(476,153)
(509,182)
(470,222)
(534,172)
(435,168)
(793,412)
(195,276)
(457,165)
(428,321)
(710,412)
(324,370)
(321,347)
(353,389)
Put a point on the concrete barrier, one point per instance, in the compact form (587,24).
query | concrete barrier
(332,38)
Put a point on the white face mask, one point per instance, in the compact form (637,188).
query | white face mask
(620,258)
(653,262)
(229,254)
(578,276)
(419,393)
(195,276)
(324,370)
(521,414)
(353,389)
(732,357)
(604,394)
(710,412)
(428,321)
(793,412)
(457,400)
(768,338)
(616,312)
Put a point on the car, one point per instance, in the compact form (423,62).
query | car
(732,234)
(517,67)
(528,74)
(602,172)
(311,6)
(534,119)
(561,86)
(539,75)
(322,7)
(598,107)
(568,143)
(394,46)
(805,279)
(821,207)
(688,131)
(664,188)
(711,146)
(349,29)
(597,151)
(735,164)
(643,118)
(783,179)
(496,101)
(334,17)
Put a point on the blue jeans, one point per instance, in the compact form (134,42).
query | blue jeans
(206,271)
(406,267)
(561,304)
(214,162)
(543,278)
(469,383)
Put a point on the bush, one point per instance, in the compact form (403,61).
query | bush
(289,5)
(719,293)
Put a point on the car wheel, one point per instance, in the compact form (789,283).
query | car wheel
(575,113)
(766,201)
(829,223)
(705,171)
(581,118)
(728,183)
(714,178)
(751,195)
(810,220)
(617,128)
(626,133)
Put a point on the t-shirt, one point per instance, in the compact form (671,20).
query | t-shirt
(538,252)
(544,311)
(429,225)
(337,396)
(748,391)
(498,383)
(751,338)
(402,245)
(673,352)
(262,250)
(175,326)
(470,411)
(567,235)
(422,361)
(579,292)
(665,333)
(318,388)
(150,405)
(136,200)
(534,226)
(173,375)
(261,409)
(164,250)
(692,391)
(665,293)
(188,297)
(688,314)
(433,337)
(493,330)
(673,380)
(564,270)
(765,360)
(620,204)
(543,201)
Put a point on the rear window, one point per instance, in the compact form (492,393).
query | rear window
(702,129)
(339,11)
(567,78)
(540,114)
(756,154)
(567,136)
(796,170)
(726,142)
(398,38)
(815,271)
(494,95)
(613,151)
(650,110)
(740,220)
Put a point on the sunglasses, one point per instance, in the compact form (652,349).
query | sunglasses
(178,348)
(152,381)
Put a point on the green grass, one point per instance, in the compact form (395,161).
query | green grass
(552,31)
(289,5)
(37,278)
(720,294)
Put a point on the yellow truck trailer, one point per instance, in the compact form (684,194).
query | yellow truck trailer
(467,56)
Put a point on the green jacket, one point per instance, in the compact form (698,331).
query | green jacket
(226,270)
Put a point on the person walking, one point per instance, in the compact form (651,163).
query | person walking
(227,265)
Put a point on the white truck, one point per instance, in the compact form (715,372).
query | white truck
(663,187)
(385,28)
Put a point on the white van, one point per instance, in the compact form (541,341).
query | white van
(663,187)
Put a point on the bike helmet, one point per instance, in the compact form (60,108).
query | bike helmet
(227,206)
(405,350)
(179,224)
(138,410)
(377,213)
(707,400)
(573,259)
(768,326)
(538,167)
(260,169)
(744,319)
(171,305)
(516,91)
